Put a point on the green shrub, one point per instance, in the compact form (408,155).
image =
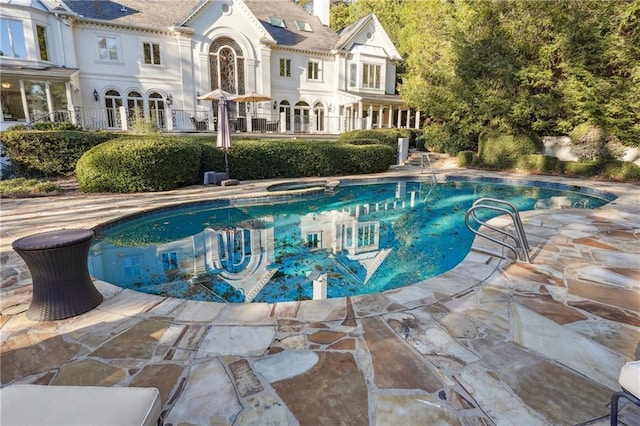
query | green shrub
(590,142)
(436,138)
(503,151)
(624,171)
(364,141)
(539,163)
(21,187)
(143,126)
(47,125)
(611,169)
(148,163)
(48,153)
(467,158)
(264,159)
(384,136)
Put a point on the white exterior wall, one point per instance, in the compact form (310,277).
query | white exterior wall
(129,72)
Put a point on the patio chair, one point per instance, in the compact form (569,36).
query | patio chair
(630,382)
(199,124)
(80,405)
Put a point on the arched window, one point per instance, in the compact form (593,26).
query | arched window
(319,117)
(135,106)
(301,117)
(226,64)
(113,102)
(286,108)
(156,109)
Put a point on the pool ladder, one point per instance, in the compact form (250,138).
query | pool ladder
(423,165)
(521,248)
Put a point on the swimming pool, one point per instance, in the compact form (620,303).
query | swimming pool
(356,238)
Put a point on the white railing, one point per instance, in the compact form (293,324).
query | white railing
(204,120)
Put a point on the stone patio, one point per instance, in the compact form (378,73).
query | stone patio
(492,341)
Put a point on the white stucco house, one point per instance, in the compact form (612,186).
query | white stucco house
(100,62)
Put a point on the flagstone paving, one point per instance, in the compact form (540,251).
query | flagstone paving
(492,341)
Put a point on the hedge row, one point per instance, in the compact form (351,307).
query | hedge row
(384,136)
(48,153)
(156,163)
(139,165)
(604,168)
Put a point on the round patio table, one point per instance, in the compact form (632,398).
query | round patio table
(57,260)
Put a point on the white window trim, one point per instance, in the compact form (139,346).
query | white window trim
(369,65)
(46,41)
(290,62)
(118,49)
(143,63)
(319,73)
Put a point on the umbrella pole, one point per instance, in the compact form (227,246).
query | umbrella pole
(226,163)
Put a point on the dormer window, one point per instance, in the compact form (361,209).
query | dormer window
(304,26)
(277,22)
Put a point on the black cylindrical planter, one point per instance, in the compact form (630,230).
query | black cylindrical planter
(57,260)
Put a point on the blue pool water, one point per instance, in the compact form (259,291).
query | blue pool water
(359,238)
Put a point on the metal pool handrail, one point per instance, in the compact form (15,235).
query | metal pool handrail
(521,248)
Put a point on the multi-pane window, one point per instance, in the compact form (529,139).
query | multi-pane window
(366,235)
(313,70)
(371,76)
(42,42)
(12,39)
(285,67)
(108,48)
(132,266)
(314,240)
(151,53)
(226,66)
(353,75)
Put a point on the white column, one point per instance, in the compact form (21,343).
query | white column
(70,104)
(25,105)
(359,118)
(390,117)
(399,117)
(380,112)
(370,117)
(320,287)
(408,118)
(123,118)
(417,119)
(168,118)
(212,125)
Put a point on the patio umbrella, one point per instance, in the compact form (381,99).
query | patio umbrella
(215,95)
(224,135)
(252,97)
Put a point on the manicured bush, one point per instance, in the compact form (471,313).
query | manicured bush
(364,141)
(503,151)
(611,169)
(147,163)
(539,163)
(384,136)
(466,158)
(47,125)
(624,171)
(154,163)
(48,153)
(263,159)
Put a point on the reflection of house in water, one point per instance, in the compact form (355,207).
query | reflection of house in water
(244,256)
